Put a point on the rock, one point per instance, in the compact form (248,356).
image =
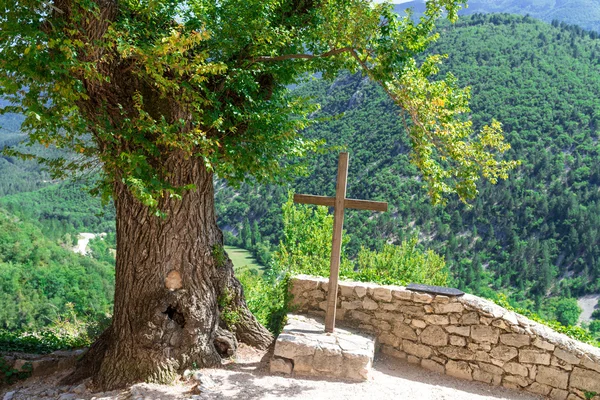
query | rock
(504,353)
(539,388)
(459,369)
(289,346)
(204,380)
(534,357)
(434,335)
(459,330)
(418,323)
(519,380)
(360,291)
(490,368)
(369,304)
(590,364)
(470,318)
(404,331)
(457,353)
(447,308)
(585,380)
(382,294)
(542,344)
(516,369)
(351,305)
(457,341)
(328,358)
(483,376)
(281,366)
(436,319)
(484,334)
(9,395)
(413,311)
(80,389)
(433,366)
(402,294)
(67,396)
(422,298)
(566,356)
(389,339)
(557,394)
(390,351)
(416,349)
(515,340)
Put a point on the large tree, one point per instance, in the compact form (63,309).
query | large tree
(160,95)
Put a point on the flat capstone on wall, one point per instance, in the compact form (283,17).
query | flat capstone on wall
(466,337)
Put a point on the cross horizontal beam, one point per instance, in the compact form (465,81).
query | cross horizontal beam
(348,203)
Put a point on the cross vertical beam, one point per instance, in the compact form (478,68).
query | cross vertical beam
(336,246)
(339,203)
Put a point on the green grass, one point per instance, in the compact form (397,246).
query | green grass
(243,260)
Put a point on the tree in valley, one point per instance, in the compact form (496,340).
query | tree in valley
(160,96)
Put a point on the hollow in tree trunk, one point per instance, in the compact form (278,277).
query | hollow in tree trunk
(173,280)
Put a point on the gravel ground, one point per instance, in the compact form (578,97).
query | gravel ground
(248,378)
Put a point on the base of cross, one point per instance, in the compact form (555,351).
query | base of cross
(303,348)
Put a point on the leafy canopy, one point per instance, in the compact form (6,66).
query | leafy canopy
(130,84)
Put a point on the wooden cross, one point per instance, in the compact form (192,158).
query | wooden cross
(339,203)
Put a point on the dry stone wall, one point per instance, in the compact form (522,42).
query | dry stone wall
(466,337)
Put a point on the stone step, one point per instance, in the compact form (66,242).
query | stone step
(303,348)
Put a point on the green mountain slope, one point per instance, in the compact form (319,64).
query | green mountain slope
(42,282)
(585,13)
(536,233)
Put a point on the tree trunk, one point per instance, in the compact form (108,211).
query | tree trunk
(174,282)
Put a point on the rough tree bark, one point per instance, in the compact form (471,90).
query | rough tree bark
(172,281)
(173,278)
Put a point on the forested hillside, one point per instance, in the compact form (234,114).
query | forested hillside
(535,234)
(42,282)
(585,13)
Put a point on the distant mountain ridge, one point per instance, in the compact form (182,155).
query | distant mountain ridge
(585,13)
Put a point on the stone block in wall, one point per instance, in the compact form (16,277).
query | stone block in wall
(281,366)
(391,351)
(485,334)
(559,394)
(457,340)
(457,353)
(515,340)
(389,339)
(534,357)
(422,298)
(382,294)
(504,353)
(413,311)
(516,369)
(552,376)
(352,305)
(470,318)
(459,369)
(369,304)
(433,366)
(539,388)
(416,349)
(360,291)
(435,319)
(434,335)
(557,362)
(585,380)
(542,344)
(587,362)
(447,308)
(402,294)
(516,379)
(566,356)
(459,330)
(404,331)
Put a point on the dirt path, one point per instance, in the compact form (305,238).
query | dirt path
(588,305)
(82,242)
(249,379)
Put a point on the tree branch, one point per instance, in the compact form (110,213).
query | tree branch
(303,56)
